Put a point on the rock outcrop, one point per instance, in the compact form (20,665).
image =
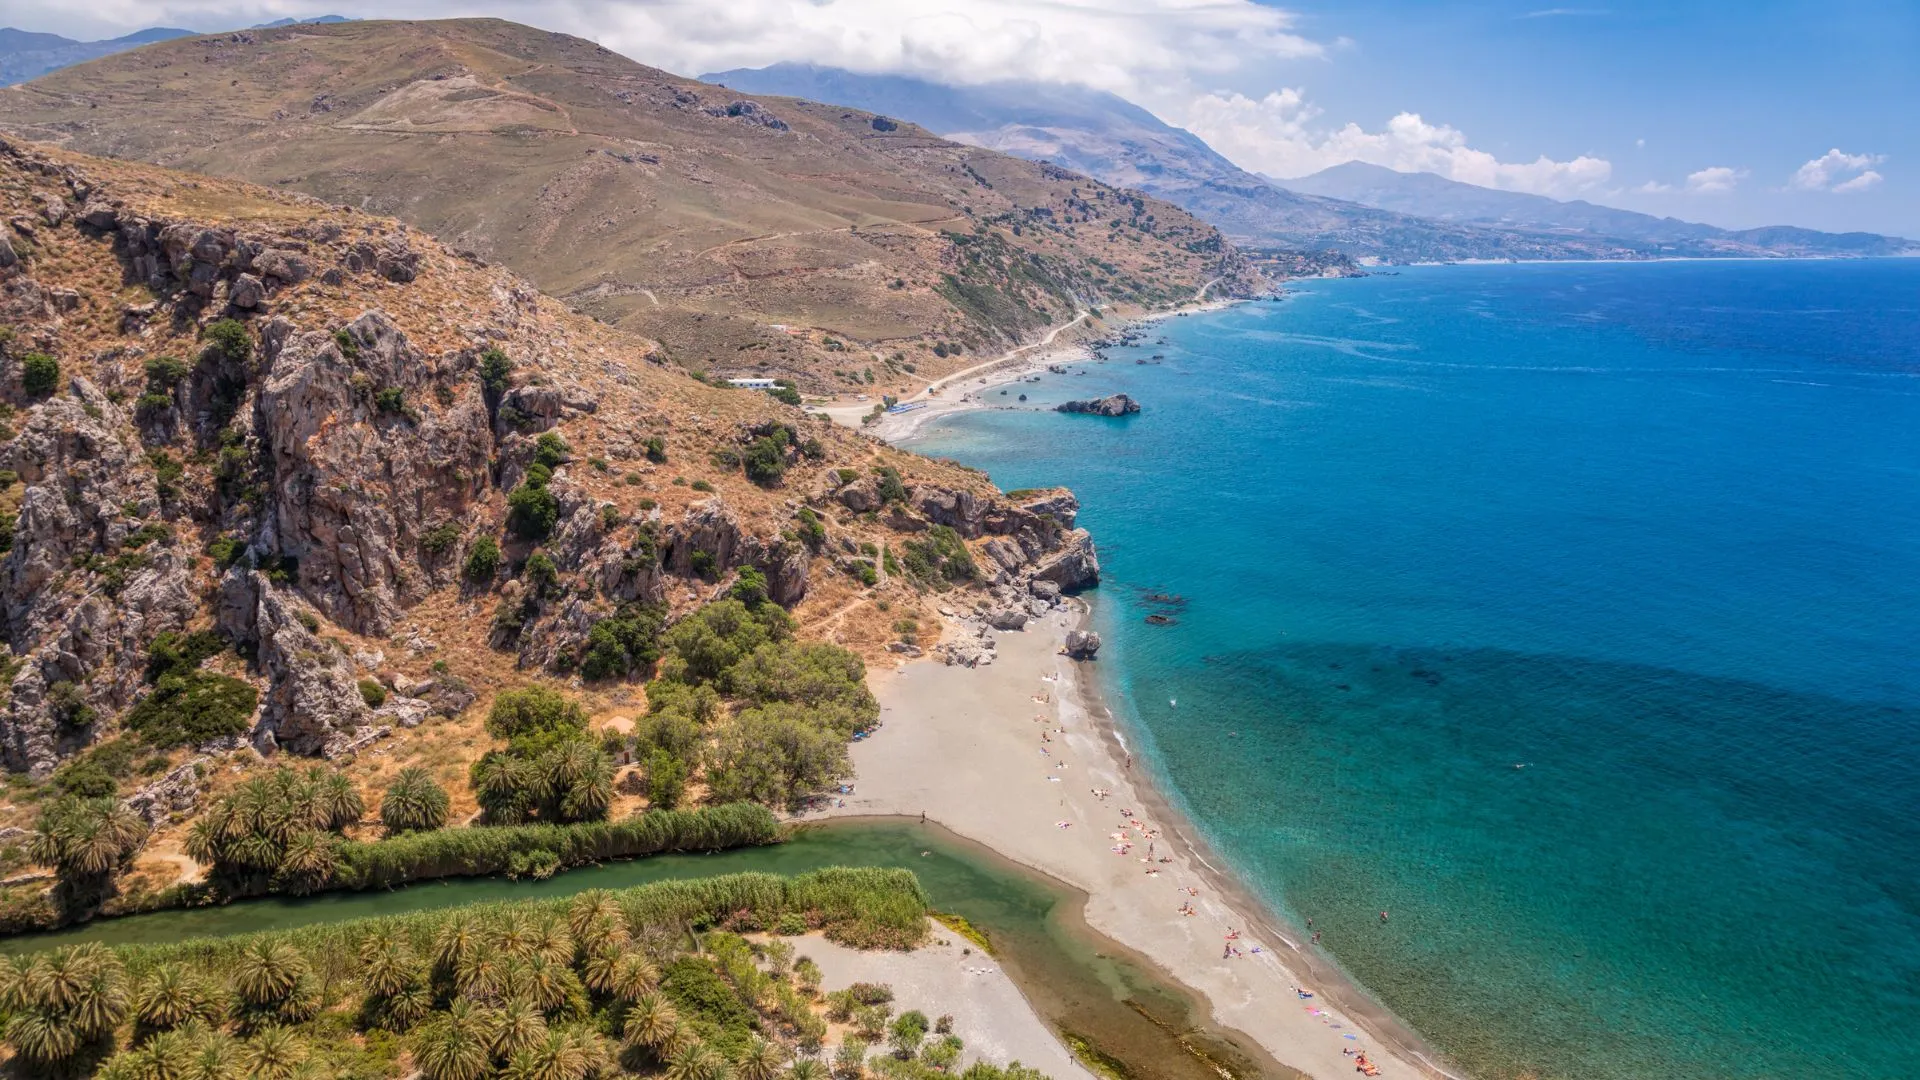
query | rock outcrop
(1082,644)
(1116,405)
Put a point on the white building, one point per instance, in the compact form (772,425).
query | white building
(752,384)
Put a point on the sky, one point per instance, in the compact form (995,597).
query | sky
(1740,114)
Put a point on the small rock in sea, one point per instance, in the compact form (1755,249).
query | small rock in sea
(1023,397)
(1160,618)
(1115,405)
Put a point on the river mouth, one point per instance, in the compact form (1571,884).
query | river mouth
(1123,1017)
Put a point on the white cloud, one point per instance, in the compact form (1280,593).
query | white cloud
(1136,48)
(1838,171)
(1717,180)
(1859,183)
(1277,135)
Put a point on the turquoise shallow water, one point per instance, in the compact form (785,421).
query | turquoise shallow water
(1651,531)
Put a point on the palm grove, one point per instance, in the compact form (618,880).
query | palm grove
(692,980)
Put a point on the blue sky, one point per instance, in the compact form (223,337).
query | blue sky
(1658,90)
(1738,114)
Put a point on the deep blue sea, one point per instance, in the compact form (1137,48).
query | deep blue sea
(1651,531)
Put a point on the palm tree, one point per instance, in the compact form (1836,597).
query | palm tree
(215,1057)
(387,966)
(166,1056)
(101,1002)
(268,971)
(456,1044)
(274,1053)
(457,940)
(337,803)
(169,997)
(41,1036)
(556,1057)
(85,840)
(651,1021)
(513,937)
(482,977)
(759,1060)
(407,1006)
(309,859)
(697,1062)
(552,939)
(806,1069)
(633,975)
(414,802)
(594,908)
(204,841)
(540,981)
(521,1027)
(57,979)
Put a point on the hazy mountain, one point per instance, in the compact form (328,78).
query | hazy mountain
(694,215)
(26,55)
(1431,196)
(1356,208)
(1114,140)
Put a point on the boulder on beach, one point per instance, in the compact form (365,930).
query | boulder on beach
(1115,405)
(1082,644)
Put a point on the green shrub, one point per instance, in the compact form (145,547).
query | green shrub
(891,487)
(666,776)
(534,710)
(624,643)
(441,538)
(191,708)
(392,399)
(483,560)
(766,458)
(372,693)
(68,704)
(39,374)
(550,450)
(656,450)
(785,394)
(750,588)
(532,510)
(541,573)
(812,532)
(229,337)
(348,345)
(494,371)
(178,654)
(938,560)
(702,485)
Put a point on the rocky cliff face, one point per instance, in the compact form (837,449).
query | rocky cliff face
(298,428)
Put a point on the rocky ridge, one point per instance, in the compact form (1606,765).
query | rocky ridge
(286,424)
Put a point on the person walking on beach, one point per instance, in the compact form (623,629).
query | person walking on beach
(923,817)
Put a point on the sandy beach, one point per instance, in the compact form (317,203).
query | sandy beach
(947,976)
(1021,757)
(963,390)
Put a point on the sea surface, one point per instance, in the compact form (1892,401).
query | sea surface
(1568,614)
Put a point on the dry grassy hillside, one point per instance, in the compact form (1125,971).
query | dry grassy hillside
(249,414)
(747,235)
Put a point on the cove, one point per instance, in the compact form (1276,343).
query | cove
(1098,995)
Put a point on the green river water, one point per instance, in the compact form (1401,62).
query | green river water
(1085,986)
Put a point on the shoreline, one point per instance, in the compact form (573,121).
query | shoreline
(951,747)
(1011,366)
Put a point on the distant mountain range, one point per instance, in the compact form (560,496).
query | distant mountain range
(1356,208)
(25,55)
(1429,196)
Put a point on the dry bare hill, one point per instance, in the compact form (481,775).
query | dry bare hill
(692,214)
(244,411)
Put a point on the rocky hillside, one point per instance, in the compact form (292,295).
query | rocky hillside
(748,236)
(308,478)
